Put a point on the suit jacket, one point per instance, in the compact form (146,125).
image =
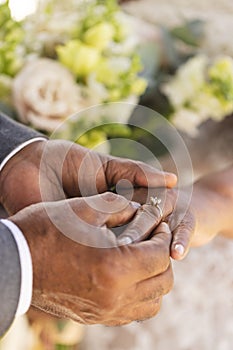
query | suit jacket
(12,135)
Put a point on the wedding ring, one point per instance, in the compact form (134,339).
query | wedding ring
(155,201)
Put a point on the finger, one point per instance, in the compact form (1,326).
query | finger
(105,209)
(138,173)
(182,236)
(148,176)
(153,288)
(122,216)
(141,312)
(138,313)
(146,310)
(145,221)
(149,258)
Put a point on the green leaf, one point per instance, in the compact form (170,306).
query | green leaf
(171,54)
(150,57)
(191,33)
(64,347)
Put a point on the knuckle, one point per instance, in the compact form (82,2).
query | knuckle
(109,196)
(151,309)
(163,227)
(162,287)
(119,201)
(155,309)
(186,228)
(135,232)
(160,259)
(191,221)
(156,306)
(164,264)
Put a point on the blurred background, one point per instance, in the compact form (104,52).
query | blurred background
(57,59)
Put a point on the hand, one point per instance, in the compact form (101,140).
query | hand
(175,211)
(111,286)
(208,214)
(212,205)
(61,169)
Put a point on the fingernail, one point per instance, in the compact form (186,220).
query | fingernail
(171,175)
(179,248)
(136,205)
(125,240)
(164,227)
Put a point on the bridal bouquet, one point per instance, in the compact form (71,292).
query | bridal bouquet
(66,57)
(201,89)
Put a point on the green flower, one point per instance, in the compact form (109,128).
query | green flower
(11,36)
(80,58)
(221,78)
(120,78)
(106,75)
(92,138)
(100,35)
(5,88)
(139,86)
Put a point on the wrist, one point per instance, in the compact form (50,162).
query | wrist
(17,149)
(32,222)
(212,208)
(25,265)
(23,166)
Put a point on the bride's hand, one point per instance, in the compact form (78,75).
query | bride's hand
(173,209)
(208,213)
(212,205)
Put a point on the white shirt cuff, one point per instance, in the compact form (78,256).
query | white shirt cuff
(26,268)
(19,148)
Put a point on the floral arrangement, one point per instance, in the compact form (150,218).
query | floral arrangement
(72,55)
(66,57)
(201,89)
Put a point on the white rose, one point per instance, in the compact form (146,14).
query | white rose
(187,82)
(187,121)
(45,93)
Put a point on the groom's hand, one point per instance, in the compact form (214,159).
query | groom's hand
(89,283)
(54,170)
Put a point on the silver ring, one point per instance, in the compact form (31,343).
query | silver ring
(155,201)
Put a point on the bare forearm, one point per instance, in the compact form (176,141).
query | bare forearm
(212,204)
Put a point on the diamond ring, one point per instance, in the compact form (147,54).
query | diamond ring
(155,201)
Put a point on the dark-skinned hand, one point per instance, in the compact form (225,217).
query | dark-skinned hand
(91,284)
(55,170)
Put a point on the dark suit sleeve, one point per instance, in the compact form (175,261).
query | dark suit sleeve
(10,278)
(12,134)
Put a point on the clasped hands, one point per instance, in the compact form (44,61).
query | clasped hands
(81,270)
